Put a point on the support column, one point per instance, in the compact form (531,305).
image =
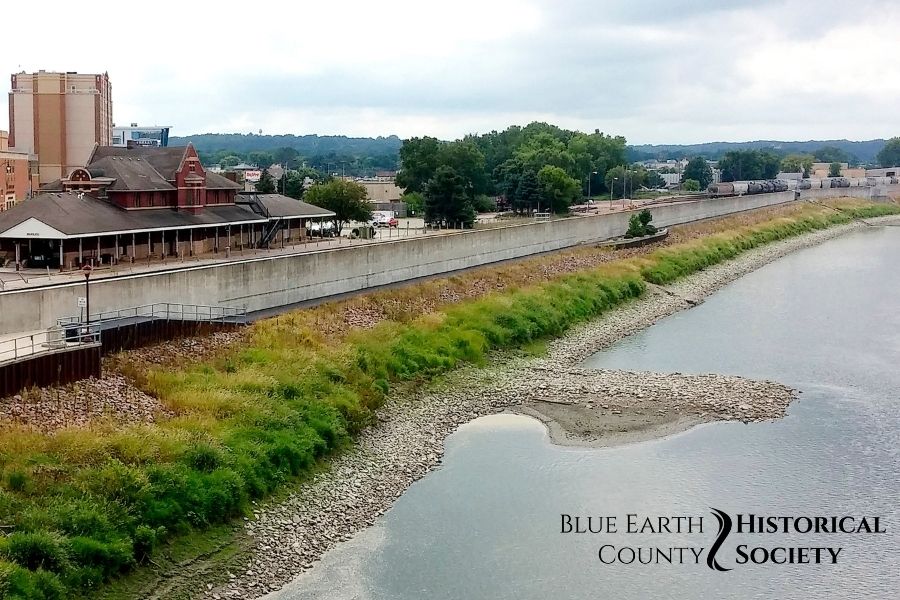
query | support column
(177,244)
(149,245)
(133,246)
(191,242)
(80,251)
(62,254)
(98,250)
(18,255)
(216,245)
(116,254)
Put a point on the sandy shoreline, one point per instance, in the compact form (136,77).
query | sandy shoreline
(579,406)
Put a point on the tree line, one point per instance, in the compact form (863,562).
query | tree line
(536,168)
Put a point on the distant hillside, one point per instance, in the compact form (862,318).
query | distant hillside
(306,145)
(864,151)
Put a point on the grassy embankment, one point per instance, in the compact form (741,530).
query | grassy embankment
(82,506)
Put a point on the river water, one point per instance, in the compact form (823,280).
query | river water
(487,524)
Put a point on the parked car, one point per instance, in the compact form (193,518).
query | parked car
(323,229)
(384,218)
(391,222)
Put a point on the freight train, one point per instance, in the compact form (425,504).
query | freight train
(740,188)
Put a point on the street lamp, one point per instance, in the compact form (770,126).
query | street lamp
(611,188)
(86,269)
(591,176)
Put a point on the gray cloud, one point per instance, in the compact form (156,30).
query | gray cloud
(658,71)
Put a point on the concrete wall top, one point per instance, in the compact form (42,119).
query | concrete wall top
(267,282)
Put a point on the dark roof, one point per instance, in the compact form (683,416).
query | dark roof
(131,173)
(283,206)
(79,216)
(214,181)
(165,160)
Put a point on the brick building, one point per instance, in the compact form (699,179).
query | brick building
(145,203)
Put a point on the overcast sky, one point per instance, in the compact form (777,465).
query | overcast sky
(666,71)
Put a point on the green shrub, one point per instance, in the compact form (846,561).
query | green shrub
(145,541)
(108,557)
(37,550)
(275,408)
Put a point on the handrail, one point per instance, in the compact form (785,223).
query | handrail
(27,345)
(166,310)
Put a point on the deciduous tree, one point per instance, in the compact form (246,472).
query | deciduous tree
(347,199)
(889,156)
(446,199)
(558,189)
(698,170)
(266,183)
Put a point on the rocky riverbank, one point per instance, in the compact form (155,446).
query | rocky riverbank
(581,406)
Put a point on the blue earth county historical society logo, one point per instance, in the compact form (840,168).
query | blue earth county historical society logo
(733,543)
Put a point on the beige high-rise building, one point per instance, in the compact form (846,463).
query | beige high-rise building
(59,117)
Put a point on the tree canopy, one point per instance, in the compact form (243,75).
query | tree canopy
(347,199)
(834,169)
(698,170)
(889,156)
(798,163)
(447,201)
(744,165)
(496,162)
(266,183)
(558,189)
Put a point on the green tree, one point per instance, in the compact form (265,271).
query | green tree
(229,160)
(291,185)
(655,180)
(831,154)
(889,156)
(419,159)
(415,203)
(545,149)
(744,165)
(347,199)
(698,170)
(834,169)
(261,159)
(287,156)
(266,183)
(558,189)
(690,185)
(447,200)
(797,163)
(639,225)
(528,193)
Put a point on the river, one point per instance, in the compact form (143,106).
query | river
(487,524)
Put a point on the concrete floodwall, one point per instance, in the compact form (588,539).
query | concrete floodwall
(268,282)
(865,192)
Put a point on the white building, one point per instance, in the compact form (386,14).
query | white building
(154,135)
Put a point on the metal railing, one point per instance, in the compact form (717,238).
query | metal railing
(160,310)
(54,338)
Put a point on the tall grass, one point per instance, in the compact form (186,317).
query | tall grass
(84,505)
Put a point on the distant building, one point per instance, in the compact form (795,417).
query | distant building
(820,170)
(60,117)
(18,174)
(385,175)
(884,172)
(380,191)
(144,203)
(154,136)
